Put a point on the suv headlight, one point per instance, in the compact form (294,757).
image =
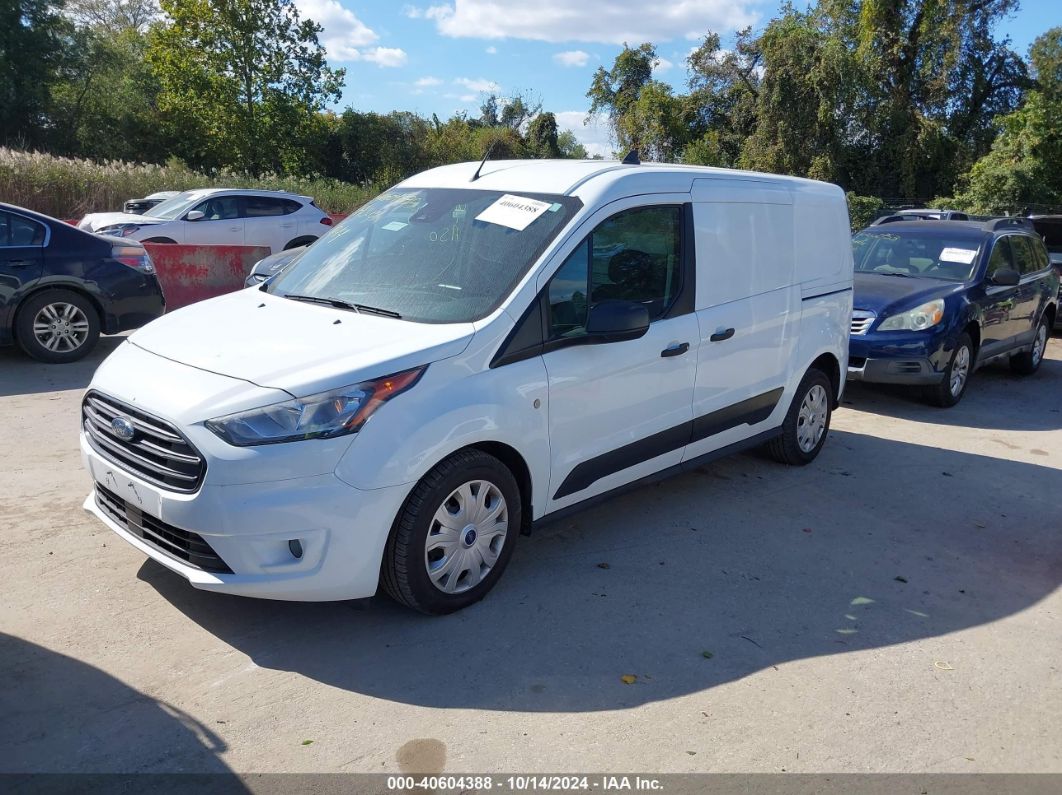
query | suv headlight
(918,319)
(118,230)
(321,416)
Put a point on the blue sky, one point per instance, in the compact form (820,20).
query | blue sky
(442,56)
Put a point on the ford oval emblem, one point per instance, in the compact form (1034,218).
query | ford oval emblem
(123,429)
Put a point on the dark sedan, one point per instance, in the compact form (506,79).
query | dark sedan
(934,300)
(60,288)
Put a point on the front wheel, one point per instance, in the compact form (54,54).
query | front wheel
(1029,362)
(57,326)
(956,376)
(454,535)
(807,423)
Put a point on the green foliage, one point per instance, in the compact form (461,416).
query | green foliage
(1045,57)
(240,80)
(863,209)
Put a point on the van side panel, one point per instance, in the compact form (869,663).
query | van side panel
(745,272)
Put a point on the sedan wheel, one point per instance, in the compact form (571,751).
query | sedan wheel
(61,327)
(960,371)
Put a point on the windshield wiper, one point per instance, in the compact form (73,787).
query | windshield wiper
(901,274)
(375,310)
(337,303)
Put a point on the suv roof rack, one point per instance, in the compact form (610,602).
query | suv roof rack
(996,224)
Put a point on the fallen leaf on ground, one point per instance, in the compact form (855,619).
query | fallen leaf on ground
(603,566)
(707,655)
(900,579)
(628,679)
(943,666)
(307,742)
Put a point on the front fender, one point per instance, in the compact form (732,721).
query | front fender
(450,409)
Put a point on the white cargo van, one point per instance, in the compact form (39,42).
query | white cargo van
(464,356)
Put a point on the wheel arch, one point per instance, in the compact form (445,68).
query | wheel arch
(828,364)
(516,464)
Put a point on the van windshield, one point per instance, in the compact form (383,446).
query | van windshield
(431,255)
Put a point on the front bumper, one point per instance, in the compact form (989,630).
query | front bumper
(899,357)
(342,531)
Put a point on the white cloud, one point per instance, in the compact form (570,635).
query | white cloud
(594,136)
(427,82)
(491,50)
(661,65)
(383,56)
(572,58)
(480,85)
(343,33)
(604,21)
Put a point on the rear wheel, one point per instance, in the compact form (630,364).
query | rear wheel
(57,326)
(956,376)
(1029,362)
(454,536)
(807,423)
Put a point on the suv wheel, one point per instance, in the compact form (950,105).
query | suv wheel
(57,326)
(956,376)
(807,423)
(454,535)
(1029,362)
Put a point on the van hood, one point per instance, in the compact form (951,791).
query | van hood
(885,295)
(299,347)
(94,221)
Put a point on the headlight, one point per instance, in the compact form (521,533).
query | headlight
(118,230)
(918,319)
(320,416)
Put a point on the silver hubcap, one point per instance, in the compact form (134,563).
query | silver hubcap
(1040,345)
(466,536)
(960,370)
(61,327)
(811,422)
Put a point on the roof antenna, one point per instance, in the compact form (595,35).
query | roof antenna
(632,158)
(484,160)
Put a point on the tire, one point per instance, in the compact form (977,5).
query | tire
(805,427)
(956,376)
(160,240)
(417,550)
(57,326)
(1028,362)
(298,242)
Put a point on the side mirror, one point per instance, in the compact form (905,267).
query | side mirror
(616,321)
(195,215)
(1005,277)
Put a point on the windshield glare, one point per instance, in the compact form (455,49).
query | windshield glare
(932,256)
(175,207)
(423,254)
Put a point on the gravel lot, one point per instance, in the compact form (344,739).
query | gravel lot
(892,607)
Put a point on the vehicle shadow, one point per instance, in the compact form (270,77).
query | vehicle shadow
(993,400)
(21,375)
(64,716)
(707,578)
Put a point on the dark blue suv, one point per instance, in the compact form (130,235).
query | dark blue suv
(934,300)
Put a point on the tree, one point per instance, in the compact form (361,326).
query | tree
(113,15)
(542,136)
(1045,55)
(616,90)
(34,41)
(568,146)
(241,81)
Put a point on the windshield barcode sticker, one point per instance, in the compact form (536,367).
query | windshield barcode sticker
(963,255)
(515,212)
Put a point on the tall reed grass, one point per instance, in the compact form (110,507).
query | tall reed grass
(66,187)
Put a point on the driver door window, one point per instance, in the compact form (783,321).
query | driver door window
(1000,259)
(632,256)
(220,208)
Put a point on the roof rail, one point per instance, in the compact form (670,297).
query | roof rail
(891,219)
(996,224)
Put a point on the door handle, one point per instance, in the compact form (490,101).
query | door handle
(719,336)
(675,349)
(234,229)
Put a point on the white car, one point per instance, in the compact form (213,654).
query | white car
(213,216)
(461,359)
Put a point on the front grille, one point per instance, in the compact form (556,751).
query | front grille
(183,545)
(158,452)
(861,321)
